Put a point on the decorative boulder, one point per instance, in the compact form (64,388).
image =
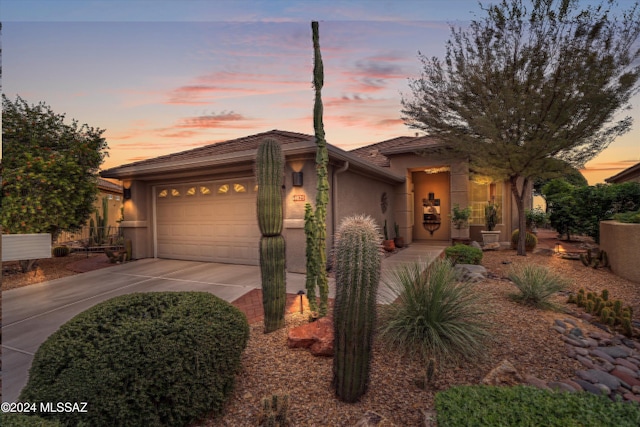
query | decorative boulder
(316,336)
(503,374)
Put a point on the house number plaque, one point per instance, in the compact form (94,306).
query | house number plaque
(299,198)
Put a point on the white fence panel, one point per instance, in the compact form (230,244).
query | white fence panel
(16,247)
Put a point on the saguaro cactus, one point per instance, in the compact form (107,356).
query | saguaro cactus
(357,263)
(270,176)
(317,225)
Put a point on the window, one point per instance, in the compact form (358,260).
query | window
(117,197)
(175,192)
(163,193)
(480,193)
(223,189)
(110,196)
(191,191)
(239,188)
(205,190)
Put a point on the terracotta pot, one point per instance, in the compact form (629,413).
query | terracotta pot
(388,245)
(399,242)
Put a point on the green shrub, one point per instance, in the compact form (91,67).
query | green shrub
(536,284)
(433,315)
(530,242)
(21,420)
(463,254)
(524,406)
(628,217)
(60,251)
(161,359)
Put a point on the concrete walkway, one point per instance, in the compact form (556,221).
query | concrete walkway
(30,314)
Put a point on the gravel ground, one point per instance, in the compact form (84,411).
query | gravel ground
(520,334)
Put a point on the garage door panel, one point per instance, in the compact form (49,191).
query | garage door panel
(211,227)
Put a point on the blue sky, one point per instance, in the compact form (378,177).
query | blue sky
(162,76)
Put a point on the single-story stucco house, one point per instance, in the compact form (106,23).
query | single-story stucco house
(200,204)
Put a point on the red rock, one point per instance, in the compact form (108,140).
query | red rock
(625,362)
(625,377)
(316,336)
(536,382)
(573,384)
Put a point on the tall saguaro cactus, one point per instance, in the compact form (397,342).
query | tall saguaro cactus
(270,177)
(316,224)
(357,266)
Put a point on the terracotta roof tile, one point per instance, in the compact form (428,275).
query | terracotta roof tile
(378,153)
(234,145)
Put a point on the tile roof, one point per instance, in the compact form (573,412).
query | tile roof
(225,147)
(378,153)
(106,185)
(625,175)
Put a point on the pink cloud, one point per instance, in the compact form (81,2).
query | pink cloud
(226,119)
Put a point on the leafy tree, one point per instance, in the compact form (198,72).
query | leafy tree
(572,176)
(50,169)
(529,84)
(562,206)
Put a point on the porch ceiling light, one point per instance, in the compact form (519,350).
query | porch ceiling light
(437,170)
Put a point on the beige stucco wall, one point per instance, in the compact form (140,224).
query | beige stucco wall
(621,241)
(137,224)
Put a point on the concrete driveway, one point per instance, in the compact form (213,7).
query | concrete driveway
(32,313)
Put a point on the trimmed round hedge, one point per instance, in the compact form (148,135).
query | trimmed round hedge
(161,359)
(530,241)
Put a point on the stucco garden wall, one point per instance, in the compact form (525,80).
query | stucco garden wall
(621,241)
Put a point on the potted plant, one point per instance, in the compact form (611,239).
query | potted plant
(398,240)
(460,220)
(387,243)
(491,220)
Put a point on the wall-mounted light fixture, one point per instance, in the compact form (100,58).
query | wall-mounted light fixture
(432,196)
(297,179)
(126,193)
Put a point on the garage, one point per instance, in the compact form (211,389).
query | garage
(208,221)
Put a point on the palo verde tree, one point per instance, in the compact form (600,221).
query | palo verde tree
(316,222)
(49,179)
(527,84)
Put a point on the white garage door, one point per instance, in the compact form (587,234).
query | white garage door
(208,221)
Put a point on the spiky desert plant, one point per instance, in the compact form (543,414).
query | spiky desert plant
(270,177)
(311,280)
(536,285)
(434,315)
(318,227)
(274,410)
(357,262)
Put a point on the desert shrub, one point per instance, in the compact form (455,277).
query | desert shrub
(463,254)
(536,285)
(524,406)
(21,420)
(60,251)
(530,242)
(433,315)
(628,217)
(161,359)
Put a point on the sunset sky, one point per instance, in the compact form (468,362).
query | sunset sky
(163,76)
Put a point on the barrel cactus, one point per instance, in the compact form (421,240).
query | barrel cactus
(357,261)
(270,177)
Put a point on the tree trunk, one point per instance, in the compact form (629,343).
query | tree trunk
(522,220)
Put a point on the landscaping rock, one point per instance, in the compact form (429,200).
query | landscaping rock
(602,355)
(316,336)
(576,332)
(630,372)
(560,323)
(495,246)
(625,362)
(573,384)
(503,374)
(581,351)
(587,386)
(603,389)
(475,244)
(616,351)
(371,418)
(632,397)
(586,362)
(471,272)
(595,376)
(536,382)
(625,378)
